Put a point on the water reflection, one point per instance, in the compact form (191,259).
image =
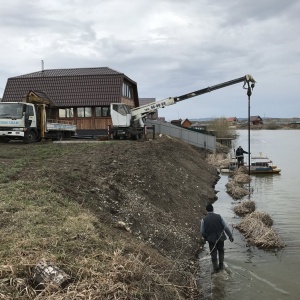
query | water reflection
(266,181)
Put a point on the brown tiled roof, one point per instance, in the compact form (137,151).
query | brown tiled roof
(71,87)
(71,72)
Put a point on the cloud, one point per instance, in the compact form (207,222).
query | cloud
(168,47)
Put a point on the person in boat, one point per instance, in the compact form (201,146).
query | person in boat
(213,229)
(239,154)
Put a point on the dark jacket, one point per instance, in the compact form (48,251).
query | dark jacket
(240,152)
(213,228)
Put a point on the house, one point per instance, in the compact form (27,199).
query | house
(199,126)
(256,120)
(232,120)
(182,123)
(186,123)
(81,95)
(176,122)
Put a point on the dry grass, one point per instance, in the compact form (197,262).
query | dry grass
(264,217)
(244,208)
(241,178)
(41,222)
(235,190)
(241,170)
(131,276)
(258,233)
(102,262)
(218,160)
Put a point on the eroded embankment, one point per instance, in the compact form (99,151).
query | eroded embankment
(121,218)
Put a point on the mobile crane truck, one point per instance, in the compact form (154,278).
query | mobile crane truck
(129,122)
(28,121)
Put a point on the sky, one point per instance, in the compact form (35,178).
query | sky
(168,47)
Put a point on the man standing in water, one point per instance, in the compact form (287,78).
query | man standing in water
(213,230)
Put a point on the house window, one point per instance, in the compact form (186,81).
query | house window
(65,113)
(126,90)
(84,112)
(102,111)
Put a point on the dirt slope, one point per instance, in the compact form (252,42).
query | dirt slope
(154,191)
(158,188)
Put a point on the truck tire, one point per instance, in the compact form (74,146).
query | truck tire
(4,140)
(30,137)
(58,137)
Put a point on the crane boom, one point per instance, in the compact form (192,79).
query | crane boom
(246,79)
(141,111)
(129,120)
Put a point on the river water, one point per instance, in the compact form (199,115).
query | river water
(252,273)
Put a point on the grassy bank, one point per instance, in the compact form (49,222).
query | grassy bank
(64,204)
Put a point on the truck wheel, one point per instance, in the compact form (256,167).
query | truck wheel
(58,137)
(30,137)
(4,140)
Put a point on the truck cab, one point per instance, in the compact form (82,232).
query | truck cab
(29,122)
(18,121)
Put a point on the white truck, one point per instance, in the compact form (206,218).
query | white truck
(129,122)
(28,121)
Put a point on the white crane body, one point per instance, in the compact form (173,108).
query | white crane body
(128,122)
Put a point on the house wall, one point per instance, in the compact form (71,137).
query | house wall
(92,124)
(88,125)
(127,101)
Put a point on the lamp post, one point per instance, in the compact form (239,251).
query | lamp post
(249,93)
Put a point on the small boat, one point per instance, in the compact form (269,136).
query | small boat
(259,165)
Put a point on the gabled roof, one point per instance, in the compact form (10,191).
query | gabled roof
(185,120)
(37,97)
(71,87)
(231,119)
(254,118)
(71,72)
